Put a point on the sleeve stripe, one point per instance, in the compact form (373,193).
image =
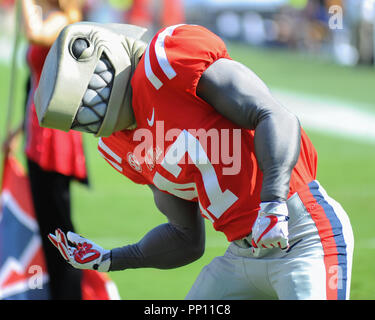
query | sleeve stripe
(106,149)
(149,73)
(114,164)
(161,54)
(161,57)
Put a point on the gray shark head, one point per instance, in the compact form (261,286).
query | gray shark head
(85,82)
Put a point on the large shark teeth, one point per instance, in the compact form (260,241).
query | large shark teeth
(97,82)
(91,98)
(94,103)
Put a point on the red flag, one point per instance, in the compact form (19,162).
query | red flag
(23,273)
(22,266)
(98,286)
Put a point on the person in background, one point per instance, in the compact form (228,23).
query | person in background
(54,157)
(155,13)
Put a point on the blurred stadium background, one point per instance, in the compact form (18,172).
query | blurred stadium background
(318,59)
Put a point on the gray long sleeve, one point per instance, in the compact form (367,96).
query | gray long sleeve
(169,245)
(164,247)
(239,95)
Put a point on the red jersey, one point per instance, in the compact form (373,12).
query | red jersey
(53,150)
(182,145)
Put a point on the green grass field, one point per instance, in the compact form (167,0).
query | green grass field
(114,212)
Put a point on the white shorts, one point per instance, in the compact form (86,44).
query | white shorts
(317,265)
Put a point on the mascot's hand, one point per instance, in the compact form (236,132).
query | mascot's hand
(81,253)
(271,226)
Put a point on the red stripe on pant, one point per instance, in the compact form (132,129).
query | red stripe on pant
(327,239)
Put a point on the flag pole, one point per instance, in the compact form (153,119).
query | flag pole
(13,77)
(373,34)
(13,68)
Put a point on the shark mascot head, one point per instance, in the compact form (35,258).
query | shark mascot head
(85,82)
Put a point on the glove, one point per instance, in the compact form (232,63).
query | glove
(271,226)
(83,253)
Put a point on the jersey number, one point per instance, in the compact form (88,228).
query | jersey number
(220,200)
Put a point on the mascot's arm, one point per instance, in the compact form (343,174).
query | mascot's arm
(239,95)
(178,242)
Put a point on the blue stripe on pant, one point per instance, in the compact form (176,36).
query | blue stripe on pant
(338,235)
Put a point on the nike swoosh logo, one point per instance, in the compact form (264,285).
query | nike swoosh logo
(151,121)
(294,244)
(273,221)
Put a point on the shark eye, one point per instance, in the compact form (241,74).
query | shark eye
(79,47)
